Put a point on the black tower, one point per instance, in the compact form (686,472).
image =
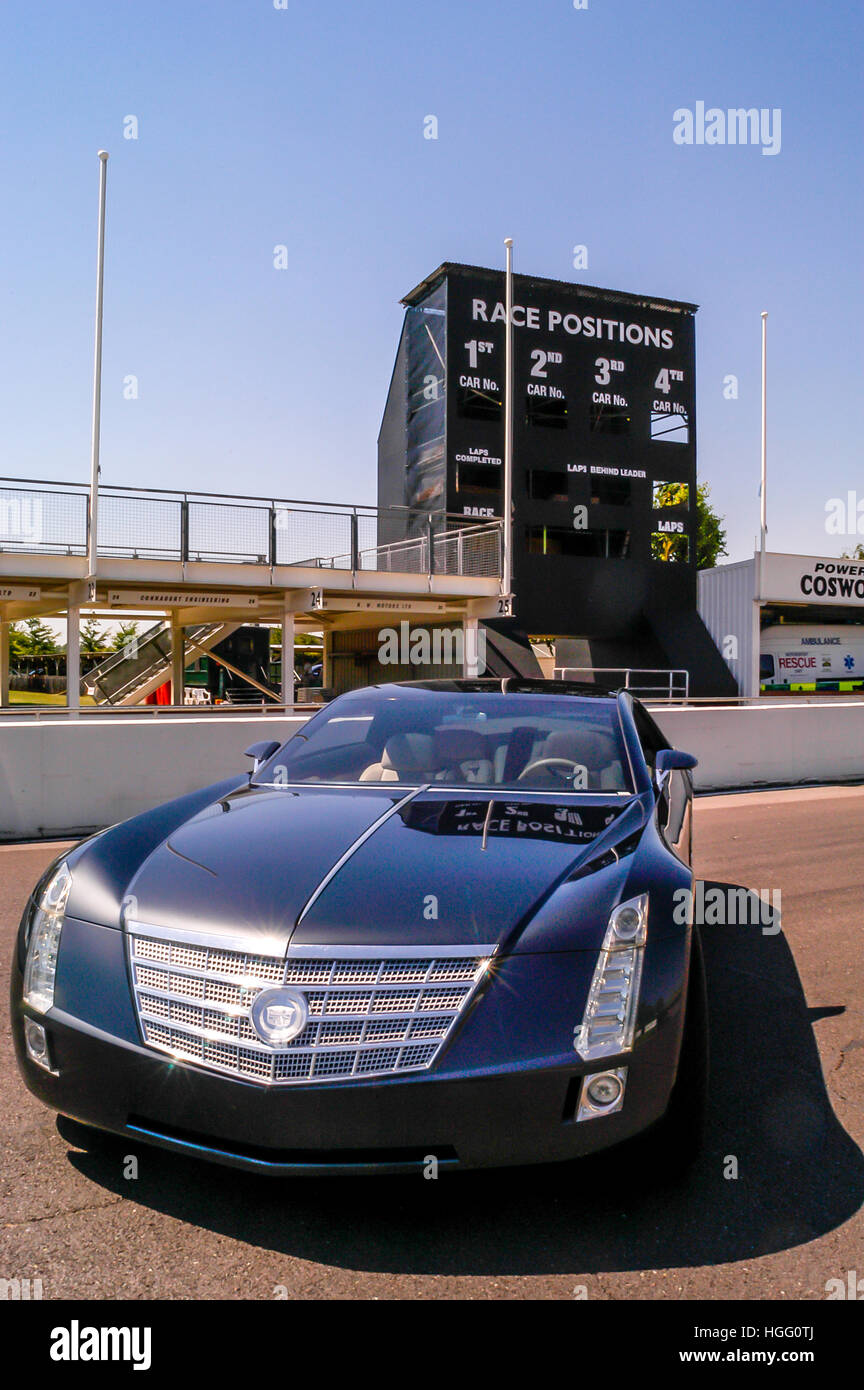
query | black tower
(604,447)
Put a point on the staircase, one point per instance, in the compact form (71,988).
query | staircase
(129,675)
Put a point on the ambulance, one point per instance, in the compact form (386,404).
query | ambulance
(810,657)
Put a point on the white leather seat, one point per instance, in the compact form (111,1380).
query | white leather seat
(406,758)
(591,749)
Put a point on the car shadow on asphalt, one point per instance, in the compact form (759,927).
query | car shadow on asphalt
(770,1120)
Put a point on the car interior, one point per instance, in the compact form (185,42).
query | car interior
(546,754)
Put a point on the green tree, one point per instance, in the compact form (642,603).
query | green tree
(17,642)
(667,545)
(856,554)
(126,632)
(301,639)
(92,638)
(37,639)
(710,532)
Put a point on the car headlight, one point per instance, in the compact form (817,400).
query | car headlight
(45,928)
(609,1020)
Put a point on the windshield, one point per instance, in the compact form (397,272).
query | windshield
(516,741)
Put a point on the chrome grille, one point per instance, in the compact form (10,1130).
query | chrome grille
(370,1015)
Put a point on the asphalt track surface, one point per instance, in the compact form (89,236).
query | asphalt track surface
(787,1102)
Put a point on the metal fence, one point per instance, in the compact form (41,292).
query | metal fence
(143,523)
(644,681)
(465,550)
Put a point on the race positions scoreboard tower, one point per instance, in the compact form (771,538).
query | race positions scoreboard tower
(604,449)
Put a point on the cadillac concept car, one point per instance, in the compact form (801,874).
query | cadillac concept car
(446,919)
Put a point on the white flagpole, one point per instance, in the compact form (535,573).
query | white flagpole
(97,372)
(763,489)
(507,489)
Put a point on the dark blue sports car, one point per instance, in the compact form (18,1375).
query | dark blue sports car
(447,921)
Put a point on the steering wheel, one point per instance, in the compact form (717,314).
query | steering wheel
(550,763)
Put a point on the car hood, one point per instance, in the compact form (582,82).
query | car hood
(368,866)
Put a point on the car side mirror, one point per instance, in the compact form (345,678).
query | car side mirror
(261,752)
(674,760)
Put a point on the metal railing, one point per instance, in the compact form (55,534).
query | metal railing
(267,709)
(673,684)
(153,523)
(465,550)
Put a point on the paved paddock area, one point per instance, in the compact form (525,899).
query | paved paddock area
(787,1017)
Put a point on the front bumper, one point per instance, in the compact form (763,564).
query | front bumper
(505,1091)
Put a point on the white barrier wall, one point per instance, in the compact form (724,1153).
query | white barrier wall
(68,776)
(770,743)
(62,777)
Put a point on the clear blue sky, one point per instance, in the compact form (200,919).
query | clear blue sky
(304,126)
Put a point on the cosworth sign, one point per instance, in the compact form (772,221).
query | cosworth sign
(811,579)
